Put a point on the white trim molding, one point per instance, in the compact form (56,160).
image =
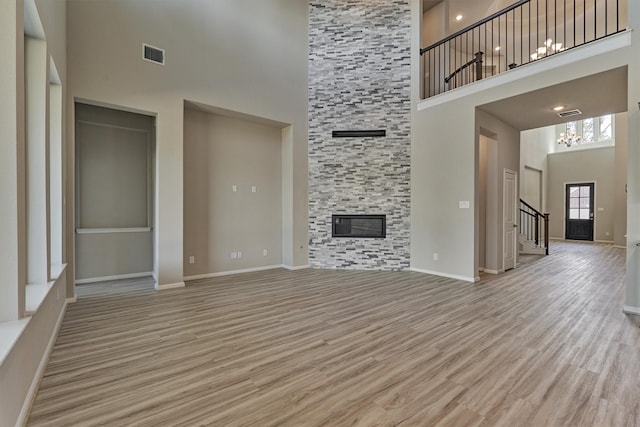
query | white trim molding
(486,270)
(231,272)
(112,230)
(169,286)
(116,277)
(631,310)
(42,366)
(448,276)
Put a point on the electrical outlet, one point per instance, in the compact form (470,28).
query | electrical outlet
(192,259)
(435,256)
(264,252)
(234,188)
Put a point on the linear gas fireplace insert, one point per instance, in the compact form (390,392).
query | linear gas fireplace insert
(360,226)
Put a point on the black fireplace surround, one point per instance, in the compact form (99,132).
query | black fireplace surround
(359,226)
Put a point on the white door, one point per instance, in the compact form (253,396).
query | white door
(509,219)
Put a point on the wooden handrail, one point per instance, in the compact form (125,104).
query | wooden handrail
(477,60)
(531,207)
(476,25)
(532,227)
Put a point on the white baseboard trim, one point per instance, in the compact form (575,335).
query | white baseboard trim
(296,267)
(72,299)
(117,277)
(448,276)
(44,361)
(631,310)
(486,270)
(169,286)
(231,272)
(619,246)
(609,242)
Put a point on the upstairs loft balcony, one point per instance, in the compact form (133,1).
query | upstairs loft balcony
(523,33)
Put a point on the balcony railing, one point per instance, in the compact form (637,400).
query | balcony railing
(524,32)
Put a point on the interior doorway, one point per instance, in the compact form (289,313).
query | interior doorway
(488,260)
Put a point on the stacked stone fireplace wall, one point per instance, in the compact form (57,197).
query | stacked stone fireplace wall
(359,79)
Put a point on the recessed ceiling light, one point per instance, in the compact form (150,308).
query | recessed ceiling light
(559,108)
(459,18)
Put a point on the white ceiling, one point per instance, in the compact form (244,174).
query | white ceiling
(594,95)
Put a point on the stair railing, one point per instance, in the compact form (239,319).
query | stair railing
(534,225)
(526,31)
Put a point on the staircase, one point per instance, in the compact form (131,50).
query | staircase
(533,236)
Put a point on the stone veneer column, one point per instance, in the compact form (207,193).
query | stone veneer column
(359,78)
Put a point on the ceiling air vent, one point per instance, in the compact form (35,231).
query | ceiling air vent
(570,113)
(153,54)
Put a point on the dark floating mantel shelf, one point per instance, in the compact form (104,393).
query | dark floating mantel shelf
(358,133)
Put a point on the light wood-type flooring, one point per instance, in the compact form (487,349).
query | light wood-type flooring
(544,345)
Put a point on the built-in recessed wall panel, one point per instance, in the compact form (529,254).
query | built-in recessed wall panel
(114,192)
(232,194)
(113,254)
(359,79)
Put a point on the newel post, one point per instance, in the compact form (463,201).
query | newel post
(479,65)
(546,233)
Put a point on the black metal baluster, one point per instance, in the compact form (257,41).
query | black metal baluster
(584,21)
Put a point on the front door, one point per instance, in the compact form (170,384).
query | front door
(579,211)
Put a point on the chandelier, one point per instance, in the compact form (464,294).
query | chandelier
(547,48)
(569,138)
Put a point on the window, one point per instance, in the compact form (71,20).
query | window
(579,202)
(595,129)
(587,130)
(606,127)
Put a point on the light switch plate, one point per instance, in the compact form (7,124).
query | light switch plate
(464,204)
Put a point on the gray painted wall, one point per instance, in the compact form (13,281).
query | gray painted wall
(359,78)
(620,180)
(244,56)
(222,152)
(535,144)
(20,369)
(590,165)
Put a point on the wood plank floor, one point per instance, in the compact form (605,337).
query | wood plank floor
(544,345)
